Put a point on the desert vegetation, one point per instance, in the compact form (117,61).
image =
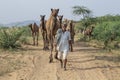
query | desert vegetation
(106,28)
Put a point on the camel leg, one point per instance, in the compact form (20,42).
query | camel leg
(43,41)
(33,38)
(51,49)
(37,38)
(46,42)
(73,40)
(47,45)
(44,48)
(55,47)
(56,54)
(51,57)
(71,48)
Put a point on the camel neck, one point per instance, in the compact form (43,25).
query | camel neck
(43,24)
(53,17)
(31,28)
(60,23)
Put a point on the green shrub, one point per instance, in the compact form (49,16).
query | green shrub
(24,40)
(107,32)
(27,31)
(9,38)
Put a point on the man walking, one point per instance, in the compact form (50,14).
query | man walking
(63,41)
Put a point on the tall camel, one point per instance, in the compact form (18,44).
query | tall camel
(51,27)
(44,32)
(70,27)
(35,33)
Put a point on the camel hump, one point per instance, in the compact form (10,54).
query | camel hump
(35,27)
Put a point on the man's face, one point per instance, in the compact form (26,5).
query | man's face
(64,27)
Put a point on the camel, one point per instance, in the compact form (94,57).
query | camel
(70,27)
(44,32)
(51,27)
(35,33)
(88,32)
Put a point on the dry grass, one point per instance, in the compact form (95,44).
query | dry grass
(84,60)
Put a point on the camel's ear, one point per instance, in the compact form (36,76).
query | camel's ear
(51,9)
(62,16)
(44,15)
(57,9)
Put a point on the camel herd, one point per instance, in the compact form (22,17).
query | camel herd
(49,28)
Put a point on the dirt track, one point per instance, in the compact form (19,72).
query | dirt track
(83,64)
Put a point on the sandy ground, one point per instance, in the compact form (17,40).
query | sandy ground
(85,63)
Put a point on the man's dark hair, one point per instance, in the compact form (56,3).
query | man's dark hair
(65,25)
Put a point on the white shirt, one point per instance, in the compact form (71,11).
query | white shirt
(64,41)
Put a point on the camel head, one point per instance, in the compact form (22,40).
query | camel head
(70,25)
(42,17)
(42,24)
(65,20)
(70,22)
(54,12)
(30,25)
(60,17)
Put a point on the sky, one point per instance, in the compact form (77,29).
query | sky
(22,10)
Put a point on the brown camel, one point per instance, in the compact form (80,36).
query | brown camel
(35,33)
(70,27)
(88,32)
(44,32)
(51,27)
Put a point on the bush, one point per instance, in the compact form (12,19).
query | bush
(9,38)
(27,31)
(107,32)
(24,40)
(26,34)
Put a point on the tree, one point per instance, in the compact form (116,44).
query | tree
(81,10)
(85,13)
